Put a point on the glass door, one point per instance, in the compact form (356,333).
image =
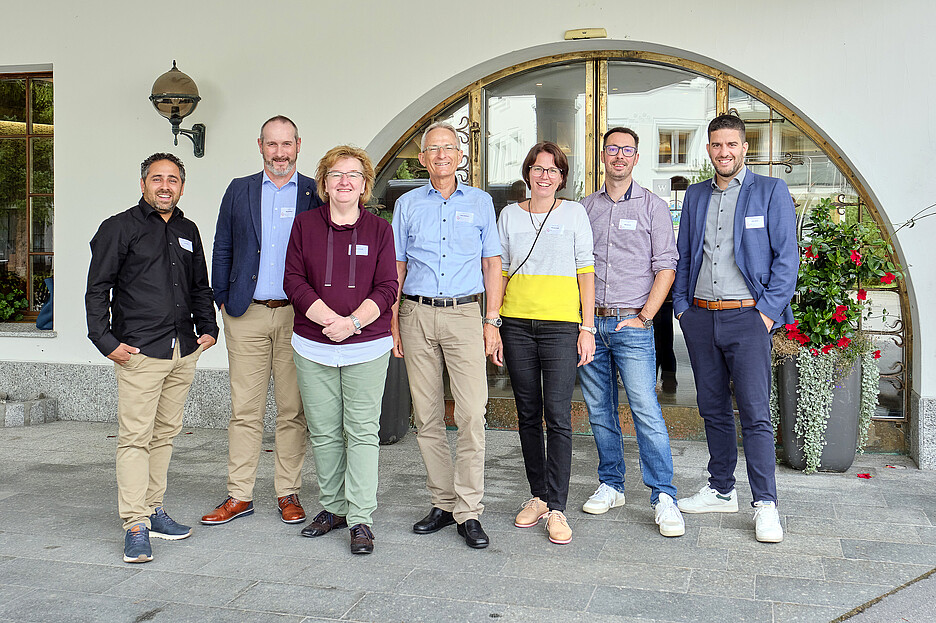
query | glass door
(544,105)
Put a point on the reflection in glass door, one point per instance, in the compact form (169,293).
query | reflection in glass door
(546,105)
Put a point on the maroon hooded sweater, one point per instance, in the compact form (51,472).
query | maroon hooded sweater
(342,265)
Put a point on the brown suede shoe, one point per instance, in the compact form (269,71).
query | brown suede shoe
(227,510)
(362,539)
(323,524)
(290,509)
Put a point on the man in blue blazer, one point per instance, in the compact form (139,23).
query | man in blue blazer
(247,267)
(738,261)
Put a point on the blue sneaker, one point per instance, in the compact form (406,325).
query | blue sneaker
(137,545)
(165,527)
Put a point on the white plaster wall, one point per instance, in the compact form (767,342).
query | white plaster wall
(363,71)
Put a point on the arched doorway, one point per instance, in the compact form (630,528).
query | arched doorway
(572,99)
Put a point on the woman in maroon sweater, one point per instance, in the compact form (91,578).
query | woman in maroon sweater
(341,279)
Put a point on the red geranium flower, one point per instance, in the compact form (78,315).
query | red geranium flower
(814,352)
(862,295)
(792,327)
(827,348)
(843,342)
(809,253)
(856,258)
(839,315)
(888,278)
(877,354)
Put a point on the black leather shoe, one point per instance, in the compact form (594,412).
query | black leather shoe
(434,521)
(473,533)
(323,523)
(362,539)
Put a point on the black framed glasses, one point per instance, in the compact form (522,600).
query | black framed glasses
(613,150)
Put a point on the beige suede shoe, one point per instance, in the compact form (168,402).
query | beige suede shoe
(530,513)
(557,527)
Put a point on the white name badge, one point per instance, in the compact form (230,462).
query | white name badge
(185,244)
(287,212)
(627,223)
(360,249)
(553,229)
(754,222)
(464,217)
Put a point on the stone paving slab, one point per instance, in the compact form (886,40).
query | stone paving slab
(848,540)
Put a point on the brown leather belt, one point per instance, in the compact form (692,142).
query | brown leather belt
(616,312)
(443,302)
(272,303)
(720,305)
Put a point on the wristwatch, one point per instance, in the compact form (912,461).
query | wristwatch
(494,322)
(647,322)
(591,330)
(355,322)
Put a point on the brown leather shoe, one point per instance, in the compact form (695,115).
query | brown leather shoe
(227,510)
(362,539)
(290,509)
(323,524)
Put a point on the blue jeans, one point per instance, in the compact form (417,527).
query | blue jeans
(541,356)
(631,352)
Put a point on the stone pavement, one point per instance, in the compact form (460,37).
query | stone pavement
(848,541)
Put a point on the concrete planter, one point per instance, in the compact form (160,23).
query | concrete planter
(842,430)
(28,412)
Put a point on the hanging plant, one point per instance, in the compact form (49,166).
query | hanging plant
(840,257)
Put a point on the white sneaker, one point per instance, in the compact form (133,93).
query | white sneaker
(603,499)
(668,517)
(767,526)
(708,500)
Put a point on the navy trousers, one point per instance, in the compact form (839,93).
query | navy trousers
(725,345)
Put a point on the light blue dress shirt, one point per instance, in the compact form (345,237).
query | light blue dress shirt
(277,213)
(443,240)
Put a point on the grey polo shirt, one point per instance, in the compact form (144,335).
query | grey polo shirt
(719,276)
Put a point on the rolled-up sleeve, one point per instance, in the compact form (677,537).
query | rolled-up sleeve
(663,253)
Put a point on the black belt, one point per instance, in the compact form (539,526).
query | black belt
(443,302)
(272,303)
(616,312)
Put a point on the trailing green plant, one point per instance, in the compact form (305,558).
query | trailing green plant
(840,257)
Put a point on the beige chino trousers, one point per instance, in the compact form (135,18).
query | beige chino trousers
(258,345)
(453,336)
(151,394)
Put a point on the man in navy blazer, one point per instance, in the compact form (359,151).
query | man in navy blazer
(247,278)
(738,261)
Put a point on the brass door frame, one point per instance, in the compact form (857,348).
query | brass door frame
(596,67)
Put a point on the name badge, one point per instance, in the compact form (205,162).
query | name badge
(464,217)
(627,223)
(360,249)
(553,229)
(185,244)
(288,212)
(754,222)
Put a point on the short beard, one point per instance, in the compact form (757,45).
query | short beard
(271,168)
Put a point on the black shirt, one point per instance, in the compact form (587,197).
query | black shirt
(156,270)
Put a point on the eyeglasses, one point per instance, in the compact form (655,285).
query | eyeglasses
(434,149)
(335,176)
(612,150)
(551,171)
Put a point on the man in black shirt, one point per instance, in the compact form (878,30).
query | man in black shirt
(147,290)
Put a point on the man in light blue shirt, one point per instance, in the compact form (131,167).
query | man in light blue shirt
(448,253)
(247,267)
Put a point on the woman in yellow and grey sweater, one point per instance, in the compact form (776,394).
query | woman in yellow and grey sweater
(548,270)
